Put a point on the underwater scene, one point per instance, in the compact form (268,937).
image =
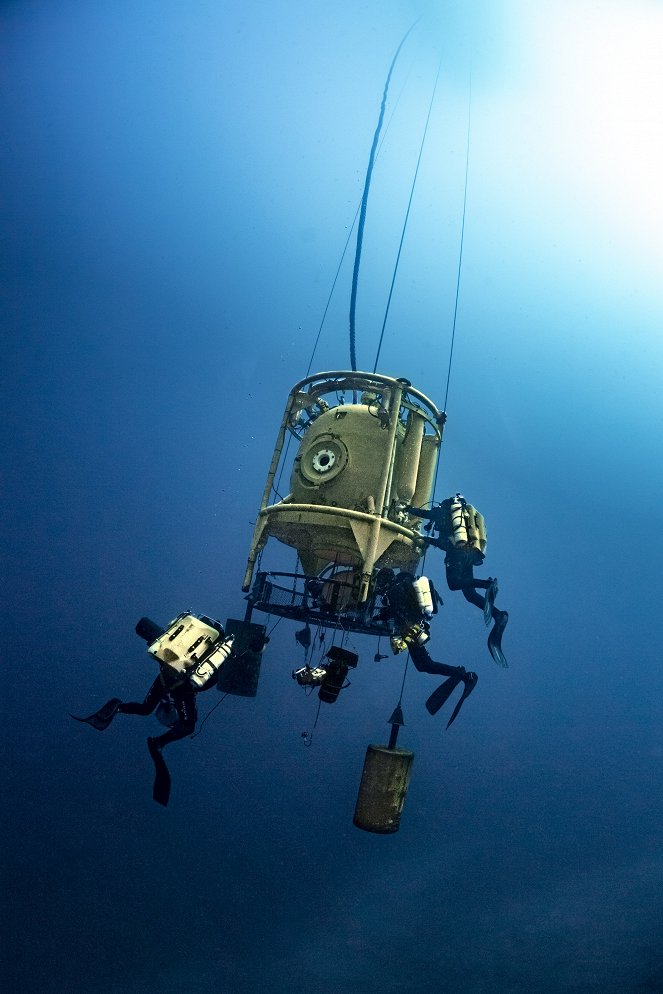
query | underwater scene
(332,530)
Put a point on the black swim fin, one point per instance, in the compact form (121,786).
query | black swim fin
(442,694)
(495,638)
(491,594)
(161,788)
(470,681)
(102,718)
(444,691)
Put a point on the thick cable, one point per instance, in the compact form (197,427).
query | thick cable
(352,228)
(364,203)
(407,216)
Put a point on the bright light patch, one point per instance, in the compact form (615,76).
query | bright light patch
(600,106)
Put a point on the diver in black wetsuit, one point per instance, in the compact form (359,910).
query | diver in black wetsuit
(182,674)
(455,675)
(403,607)
(459,564)
(172,693)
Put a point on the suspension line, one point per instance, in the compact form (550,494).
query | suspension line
(407,216)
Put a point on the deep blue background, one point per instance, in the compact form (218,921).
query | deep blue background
(180,180)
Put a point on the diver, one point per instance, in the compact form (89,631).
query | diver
(410,604)
(173,700)
(455,675)
(190,652)
(460,532)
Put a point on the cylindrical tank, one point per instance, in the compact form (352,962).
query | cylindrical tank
(149,630)
(423,594)
(406,469)
(430,446)
(205,670)
(384,783)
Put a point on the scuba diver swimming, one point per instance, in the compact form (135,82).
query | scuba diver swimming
(411,603)
(460,532)
(190,652)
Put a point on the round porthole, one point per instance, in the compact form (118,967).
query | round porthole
(323,459)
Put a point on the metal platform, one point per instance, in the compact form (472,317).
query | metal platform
(330,603)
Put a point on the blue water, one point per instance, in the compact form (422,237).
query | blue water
(180,182)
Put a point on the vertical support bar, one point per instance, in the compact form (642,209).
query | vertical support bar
(260,523)
(381,509)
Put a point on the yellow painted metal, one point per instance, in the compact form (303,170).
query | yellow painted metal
(359,463)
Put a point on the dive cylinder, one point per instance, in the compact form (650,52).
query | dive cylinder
(476,529)
(459,536)
(384,783)
(424,595)
(203,672)
(468,527)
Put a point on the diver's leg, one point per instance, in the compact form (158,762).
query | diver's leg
(495,638)
(152,698)
(454,674)
(500,618)
(102,718)
(423,662)
(161,785)
(185,702)
(470,594)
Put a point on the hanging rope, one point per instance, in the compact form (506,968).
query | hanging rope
(460,253)
(352,228)
(405,669)
(460,263)
(407,216)
(364,202)
(331,292)
(308,736)
(208,715)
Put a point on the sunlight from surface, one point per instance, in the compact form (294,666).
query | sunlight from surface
(599,100)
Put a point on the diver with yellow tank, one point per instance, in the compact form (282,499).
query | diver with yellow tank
(460,531)
(411,603)
(190,651)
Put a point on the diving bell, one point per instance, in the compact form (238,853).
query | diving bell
(367,449)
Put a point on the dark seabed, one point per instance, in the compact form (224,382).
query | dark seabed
(180,180)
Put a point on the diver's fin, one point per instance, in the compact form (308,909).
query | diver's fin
(470,681)
(491,594)
(443,693)
(303,636)
(495,638)
(102,718)
(161,788)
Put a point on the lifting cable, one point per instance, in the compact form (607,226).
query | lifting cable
(407,216)
(364,202)
(460,264)
(352,228)
(460,252)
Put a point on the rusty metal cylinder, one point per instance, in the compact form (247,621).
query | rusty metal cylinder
(384,783)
